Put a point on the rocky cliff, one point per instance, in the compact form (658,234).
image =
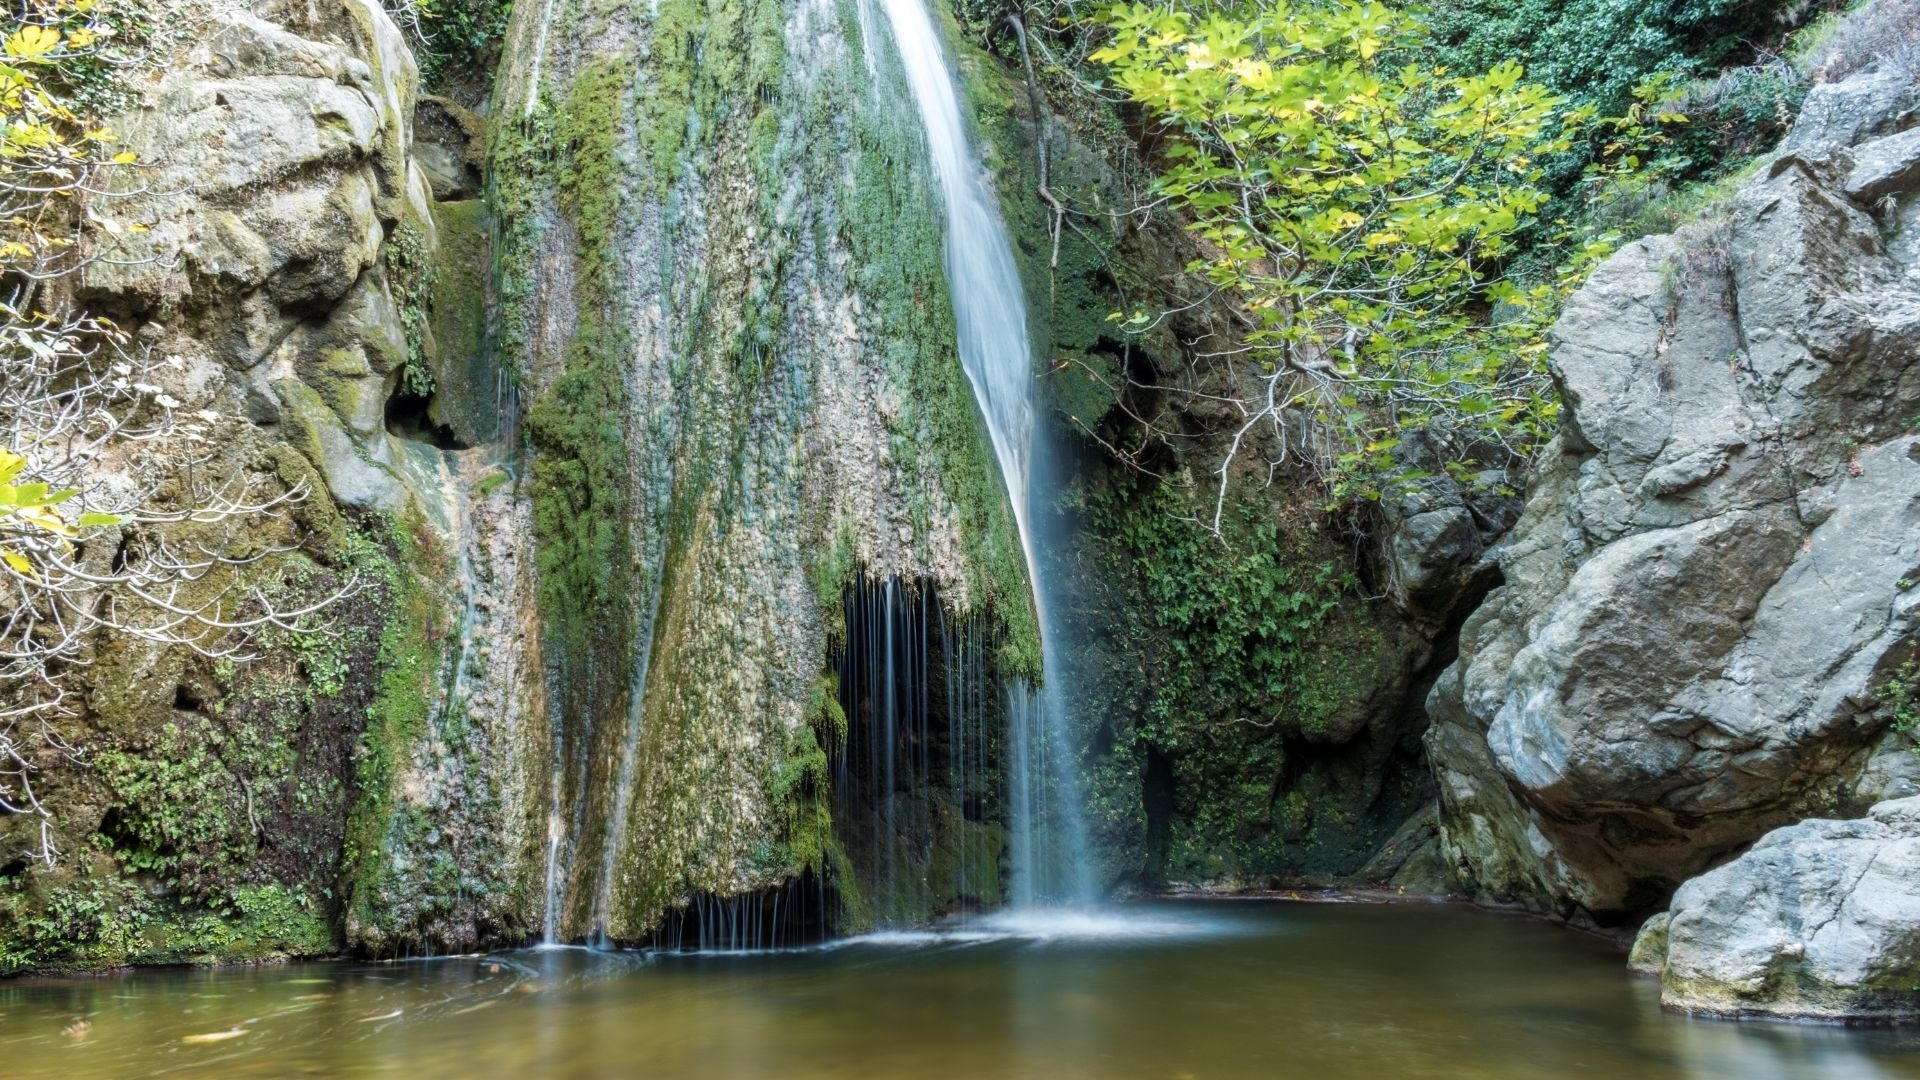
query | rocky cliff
(236,807)
(1713,580)
(606,451)
(724,304)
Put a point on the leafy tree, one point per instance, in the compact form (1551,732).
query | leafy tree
(1350,201)
(1598,53)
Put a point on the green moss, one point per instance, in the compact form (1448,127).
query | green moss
(463,378)
(666,104)
(577,426)
(964,866)
(492,482)
(105,921)
(261,923)
(800,788)
(410,278)
(831,571)
(220,796)
(408,662)
(939,435)
(326,529)
(1239,679)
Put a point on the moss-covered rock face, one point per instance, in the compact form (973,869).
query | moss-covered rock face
(202,815)
(1243,705)
(446,840)
(374,783)
(722,294)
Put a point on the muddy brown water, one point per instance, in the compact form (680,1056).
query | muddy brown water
(1178,990)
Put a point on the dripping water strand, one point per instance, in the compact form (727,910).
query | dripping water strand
(616,832)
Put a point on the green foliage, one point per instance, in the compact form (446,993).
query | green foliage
(1238,620)
(184,816)
(1226,697)
(61,65)
(104,921)
(1597,53)
(1900,693)
(1350,201)
(459,40)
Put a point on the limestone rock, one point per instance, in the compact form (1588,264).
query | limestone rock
(278,154)
(1874,102)
(1705,588)
(1819,920)
(1649,955)
(450,145)
(275,170)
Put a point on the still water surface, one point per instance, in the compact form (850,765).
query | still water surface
(1169,991)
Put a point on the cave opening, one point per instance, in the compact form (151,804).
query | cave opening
(410,416)
(918,778)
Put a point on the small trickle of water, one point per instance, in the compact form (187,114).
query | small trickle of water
(1051,859)
(539,53)
(629,762)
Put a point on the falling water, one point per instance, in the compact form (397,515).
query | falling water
(539,52)
(912,775)
(1049,849)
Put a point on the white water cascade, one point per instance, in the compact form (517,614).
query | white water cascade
(1049,848)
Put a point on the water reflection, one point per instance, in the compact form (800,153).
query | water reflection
(1204,990)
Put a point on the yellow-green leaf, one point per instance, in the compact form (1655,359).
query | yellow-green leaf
(32,42)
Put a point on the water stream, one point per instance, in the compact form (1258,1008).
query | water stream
(1050,857)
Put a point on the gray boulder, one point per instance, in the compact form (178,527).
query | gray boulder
(1874,102)
(277,165)
(1819,920)
(1712,574)
(1440,537)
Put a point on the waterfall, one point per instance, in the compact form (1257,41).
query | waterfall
(1048,843)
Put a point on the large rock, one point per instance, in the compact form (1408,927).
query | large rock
(1440,537)
(382,777)
(1819,920)
(277,164)
(1713,573)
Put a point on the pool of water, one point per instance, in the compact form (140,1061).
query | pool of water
(1167,991)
